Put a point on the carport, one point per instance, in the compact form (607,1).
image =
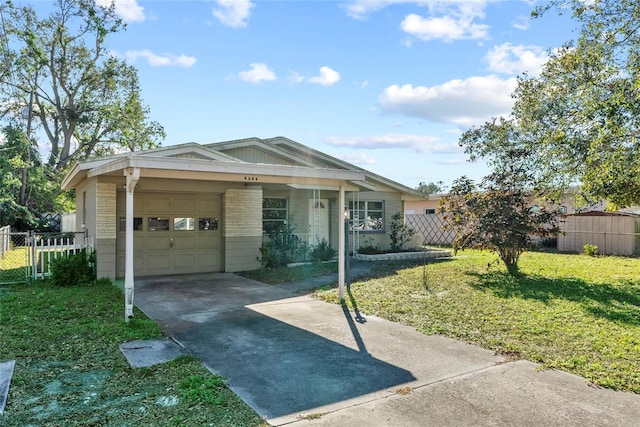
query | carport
(191,167)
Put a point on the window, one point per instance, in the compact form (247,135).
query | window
(561,210)
(207,224)
(184,224)
(157,224)
(367,215)
(429,211)
(137,224)
(275,211)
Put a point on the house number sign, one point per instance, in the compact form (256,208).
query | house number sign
(250,178)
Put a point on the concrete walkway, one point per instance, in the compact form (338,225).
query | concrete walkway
(299,361)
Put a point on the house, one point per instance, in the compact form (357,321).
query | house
(205,208)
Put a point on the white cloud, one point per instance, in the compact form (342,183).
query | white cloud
(295,77)
(516,59)
(448,21)
(327,77)
(258,73)
(166,60)
(461,102)
(444,19)
(419,143)
(233,13)
(128,10)
(522,23)
(358,158)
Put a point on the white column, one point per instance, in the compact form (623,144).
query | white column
(133,174)
(341,241)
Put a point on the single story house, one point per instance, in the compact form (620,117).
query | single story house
(206,207)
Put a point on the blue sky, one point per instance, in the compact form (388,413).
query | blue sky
(386,85)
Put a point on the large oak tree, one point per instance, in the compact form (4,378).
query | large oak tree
(578,123)
(85,100)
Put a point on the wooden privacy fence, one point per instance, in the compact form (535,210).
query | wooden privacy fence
(612,233)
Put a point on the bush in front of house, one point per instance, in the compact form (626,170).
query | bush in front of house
(73,269)
(322,251)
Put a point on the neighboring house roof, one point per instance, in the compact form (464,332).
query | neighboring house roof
(278,157)
(605,213)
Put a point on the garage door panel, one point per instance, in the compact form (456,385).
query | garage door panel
(208,260)
(181,241)
(193,250)
(209,241)
(158,262)
(184,205)
(156,204)
(157,243)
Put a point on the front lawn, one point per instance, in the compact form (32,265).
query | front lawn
(575,313)
(69,370)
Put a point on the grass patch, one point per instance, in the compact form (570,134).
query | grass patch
(69,369)
(278,275)
(570,312)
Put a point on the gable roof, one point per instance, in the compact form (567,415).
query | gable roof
(275,157)
(307,156)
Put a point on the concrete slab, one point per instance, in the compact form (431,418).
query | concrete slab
(143,353)
(6,373)
(511,394)
(294,359)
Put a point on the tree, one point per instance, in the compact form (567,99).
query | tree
(21,205)
(431,188)
(578,123)
(84,99)
(497,216)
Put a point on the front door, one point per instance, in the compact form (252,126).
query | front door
(318,220)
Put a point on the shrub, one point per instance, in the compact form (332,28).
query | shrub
(322,251)
(591,250)
(73,269)
(400,233)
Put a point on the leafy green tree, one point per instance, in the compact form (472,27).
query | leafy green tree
(21,205)
(497,216)
(82,94)
(431,187)
(578,123)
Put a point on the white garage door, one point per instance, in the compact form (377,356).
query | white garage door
(174,233)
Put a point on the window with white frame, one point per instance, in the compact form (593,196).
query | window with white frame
(429,211)
(275,211)
(366,215)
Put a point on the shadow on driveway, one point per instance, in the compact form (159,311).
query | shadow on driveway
(281,353)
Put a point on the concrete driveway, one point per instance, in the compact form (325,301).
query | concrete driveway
(296,360)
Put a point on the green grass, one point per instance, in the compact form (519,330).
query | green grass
(277,275)
(575,313)
(69,369)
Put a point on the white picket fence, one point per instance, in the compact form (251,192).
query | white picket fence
(5,240)
(46,247)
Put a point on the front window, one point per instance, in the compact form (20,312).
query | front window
(367,215)
(274,214)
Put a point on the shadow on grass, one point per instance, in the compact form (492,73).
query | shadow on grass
(619,303)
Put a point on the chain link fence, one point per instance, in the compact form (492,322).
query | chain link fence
(28,256)
(14,257)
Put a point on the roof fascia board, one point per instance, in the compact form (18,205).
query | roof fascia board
(248,169)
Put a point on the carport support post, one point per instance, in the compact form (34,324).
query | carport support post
(341,242)
(132,174)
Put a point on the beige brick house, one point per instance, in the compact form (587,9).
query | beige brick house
(204,208)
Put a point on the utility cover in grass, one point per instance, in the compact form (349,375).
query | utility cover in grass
(142,353)
(6,372)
